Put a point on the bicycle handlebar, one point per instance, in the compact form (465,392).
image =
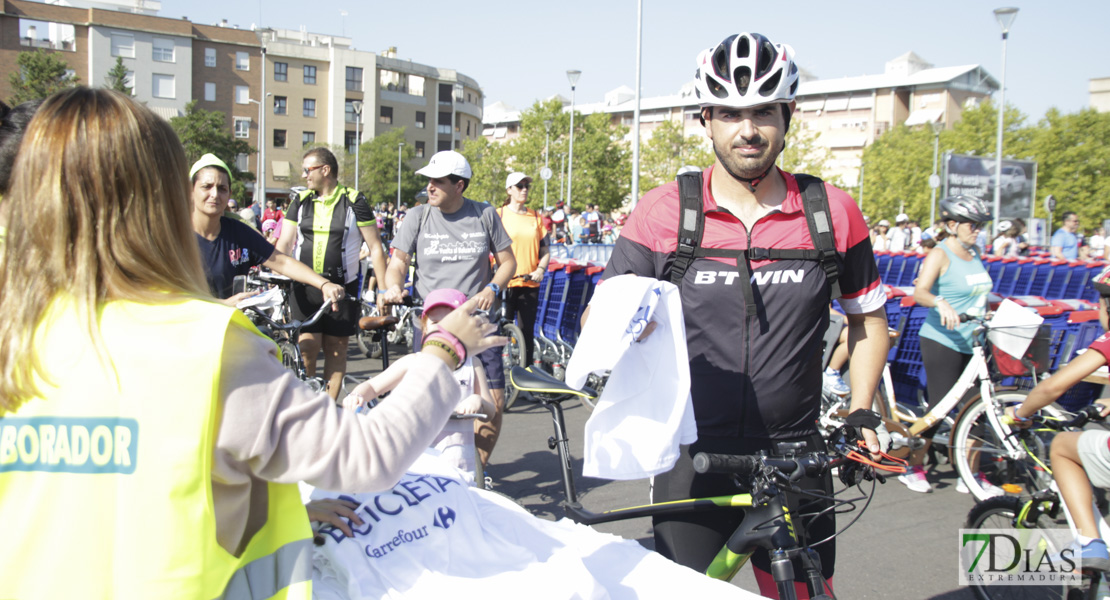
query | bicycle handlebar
(296,325)
(811,464)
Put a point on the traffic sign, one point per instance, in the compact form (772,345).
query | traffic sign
(545,173)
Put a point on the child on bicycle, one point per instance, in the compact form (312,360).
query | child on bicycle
(1079,459)
(456,441)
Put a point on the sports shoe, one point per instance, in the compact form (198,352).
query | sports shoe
(1093,555)
(834,384)
(915,480)
(988,487)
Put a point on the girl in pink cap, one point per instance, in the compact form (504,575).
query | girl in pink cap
(456,441)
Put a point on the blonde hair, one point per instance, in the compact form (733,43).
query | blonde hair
(102,199)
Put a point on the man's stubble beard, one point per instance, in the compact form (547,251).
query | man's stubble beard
(746,169)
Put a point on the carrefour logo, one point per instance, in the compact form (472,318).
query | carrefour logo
(69,445)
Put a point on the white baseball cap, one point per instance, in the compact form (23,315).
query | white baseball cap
(515,178)
(447,163)
(884,223)
(901,218)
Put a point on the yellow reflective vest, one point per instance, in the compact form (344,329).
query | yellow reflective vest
(106,479)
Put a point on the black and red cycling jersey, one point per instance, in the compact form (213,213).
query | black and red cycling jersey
(753,375)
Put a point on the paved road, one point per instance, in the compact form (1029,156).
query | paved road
(903,546)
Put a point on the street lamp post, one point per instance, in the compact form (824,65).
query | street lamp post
(636,111)
(1005,17)
(546,147)
(357,105)
(399,145)
(260,184)
(572,77)
(934,179)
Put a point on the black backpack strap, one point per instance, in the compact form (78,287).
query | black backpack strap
(819,219)
(691,223)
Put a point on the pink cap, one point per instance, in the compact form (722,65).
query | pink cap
(444,297)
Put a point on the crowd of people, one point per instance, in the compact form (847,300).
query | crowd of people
(117,287)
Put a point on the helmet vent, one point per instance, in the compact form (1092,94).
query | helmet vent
(743,80)
(716,88)
(766,58)
(769,86)
(743,48)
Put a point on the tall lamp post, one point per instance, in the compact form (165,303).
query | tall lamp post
(934,179)
(260,185)
(546,147)
(399,145)
(357,105)
(572,77)
(1005,17)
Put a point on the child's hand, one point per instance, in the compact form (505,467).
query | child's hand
(470,405)
(354,402)
(1104,406)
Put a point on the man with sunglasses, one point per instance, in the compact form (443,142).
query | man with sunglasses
(324,228)
(526,228)
(450,240)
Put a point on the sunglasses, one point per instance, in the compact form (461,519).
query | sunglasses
(523,186)
(307,170)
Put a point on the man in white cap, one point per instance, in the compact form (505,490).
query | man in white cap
(451,238)
(900,235)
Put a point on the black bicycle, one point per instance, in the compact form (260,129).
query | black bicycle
(767,521)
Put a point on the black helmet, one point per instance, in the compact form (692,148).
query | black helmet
(964,209)
(1102,283)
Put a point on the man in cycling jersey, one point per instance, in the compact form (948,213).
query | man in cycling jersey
(324,228)
(754,326)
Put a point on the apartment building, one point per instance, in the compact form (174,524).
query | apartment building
(279,89)
(1099,92)
(848,113)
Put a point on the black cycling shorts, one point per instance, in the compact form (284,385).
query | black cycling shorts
(694,539)
(342,323)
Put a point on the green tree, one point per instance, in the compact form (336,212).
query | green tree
(203,131)
(39,74)
(378,175)
(602,167)
(667,151)
(1073,161)
(896,171)
(803,154)
(117,78)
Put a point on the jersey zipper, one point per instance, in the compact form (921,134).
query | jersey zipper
(749,316)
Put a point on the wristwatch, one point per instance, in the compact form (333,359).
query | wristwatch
(496,288)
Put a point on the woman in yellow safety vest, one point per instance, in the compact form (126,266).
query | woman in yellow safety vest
(150,441)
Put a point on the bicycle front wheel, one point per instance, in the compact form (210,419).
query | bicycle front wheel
(976,446)
(512,355)
(289,354)
(369,342)
(1001,513)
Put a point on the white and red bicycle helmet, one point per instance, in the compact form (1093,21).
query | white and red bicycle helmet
(746,70)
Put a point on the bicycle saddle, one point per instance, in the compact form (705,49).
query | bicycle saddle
(540,382)
(375,323)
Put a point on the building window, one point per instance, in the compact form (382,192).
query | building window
(309,107)
(420,118)
(444,125)
(354,79)
(419,149)
(280,105)
(123,45)
(163,50)
(241,161)
(386,115)
(416,85)
(349,111)
(279,138)
(242,127)
(242,61)
(209,92)
(350,140)
(308,137)
(242,94)
(456,144)
(209,57)
(458,92)
(310,75)
(163,86)
(281,71)
(445,90)
(443,145)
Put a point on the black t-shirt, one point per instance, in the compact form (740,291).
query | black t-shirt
(233,252)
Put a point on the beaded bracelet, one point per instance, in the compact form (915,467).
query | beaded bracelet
(442,345)
(450,338)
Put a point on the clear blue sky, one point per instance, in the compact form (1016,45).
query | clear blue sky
(519,51)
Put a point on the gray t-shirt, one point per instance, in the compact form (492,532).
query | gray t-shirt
(452,251)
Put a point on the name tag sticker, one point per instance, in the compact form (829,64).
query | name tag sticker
(69,444)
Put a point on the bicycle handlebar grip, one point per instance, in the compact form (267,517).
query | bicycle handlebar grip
(726,463)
